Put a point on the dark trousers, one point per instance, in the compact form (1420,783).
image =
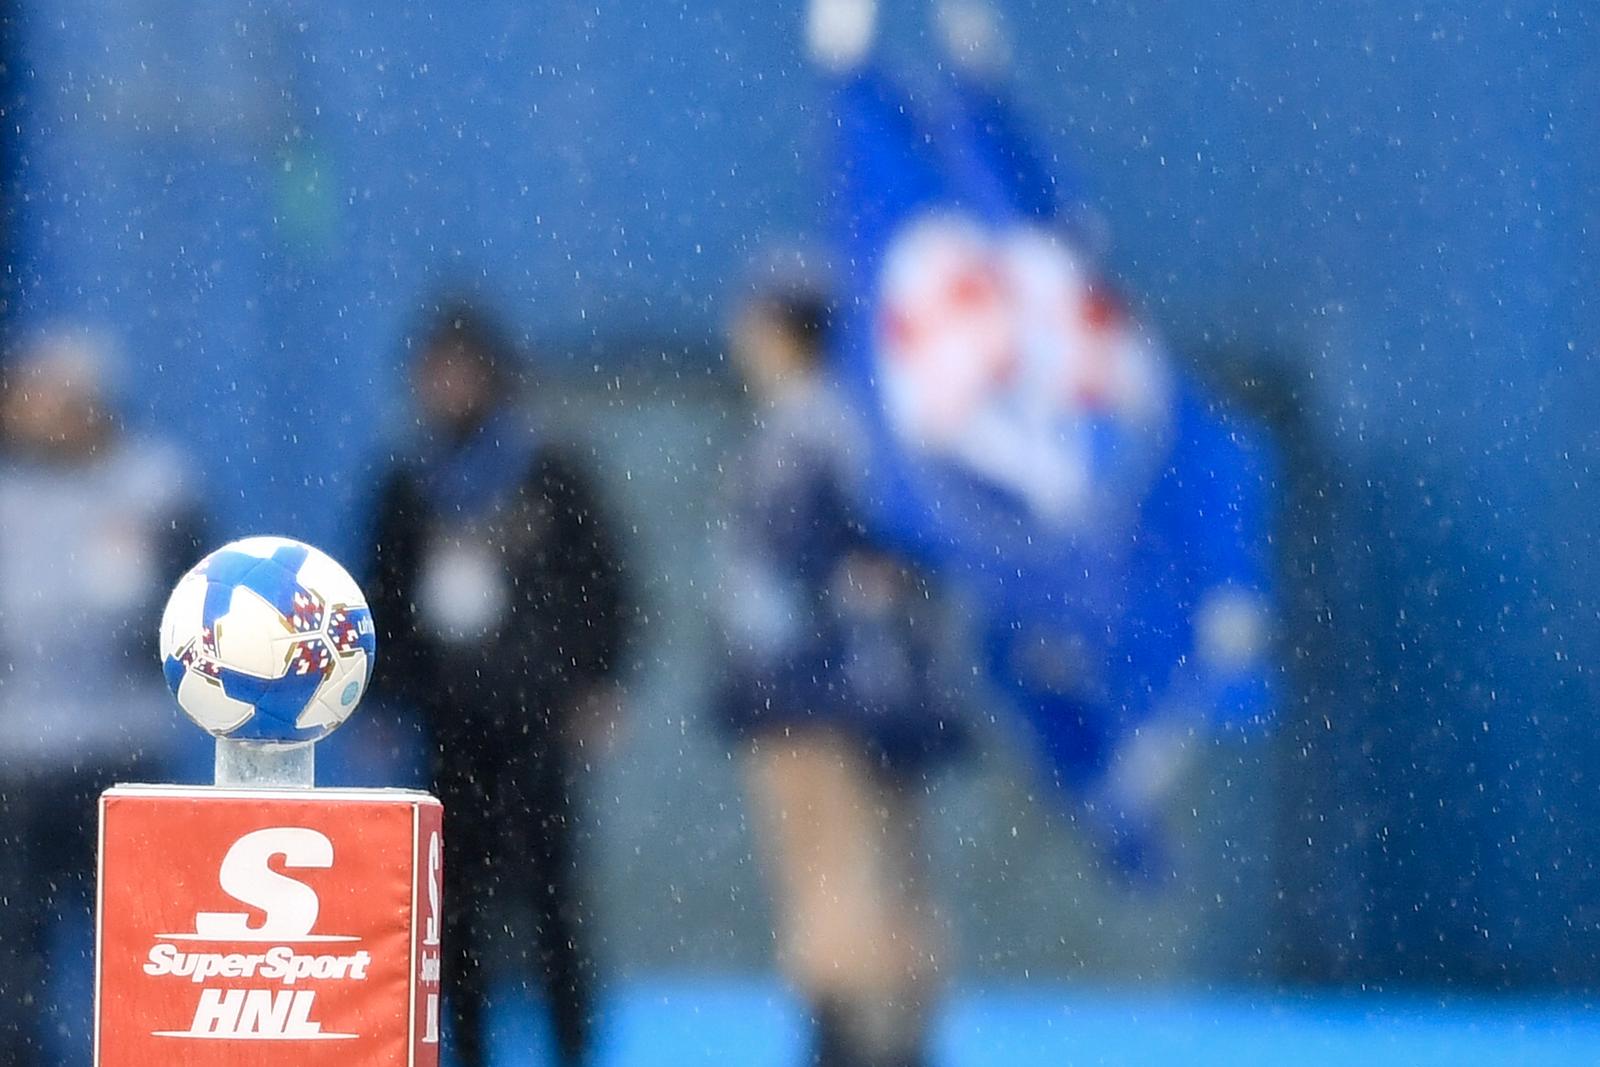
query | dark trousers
(510,858)
(47,865)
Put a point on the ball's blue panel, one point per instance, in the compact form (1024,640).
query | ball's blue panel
(278,703)
(274,579)
(173,669)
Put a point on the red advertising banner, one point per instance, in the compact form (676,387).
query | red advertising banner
(245,927)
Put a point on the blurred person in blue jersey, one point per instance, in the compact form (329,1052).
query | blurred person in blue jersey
(1031,442)
(833,693)
(497,589)
(96,523)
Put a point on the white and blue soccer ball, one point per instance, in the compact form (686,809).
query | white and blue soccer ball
(268,639)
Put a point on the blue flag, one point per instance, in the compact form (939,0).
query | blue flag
(1030,440)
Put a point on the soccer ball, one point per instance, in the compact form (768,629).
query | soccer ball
(267,639)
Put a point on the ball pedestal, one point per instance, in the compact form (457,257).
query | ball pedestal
(256,763)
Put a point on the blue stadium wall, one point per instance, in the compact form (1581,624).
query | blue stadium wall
(1397,203)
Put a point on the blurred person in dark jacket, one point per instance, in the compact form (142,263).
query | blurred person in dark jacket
(497,591)
(97,524)
(834,691)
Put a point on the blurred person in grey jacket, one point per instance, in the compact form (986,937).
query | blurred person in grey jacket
(95,525)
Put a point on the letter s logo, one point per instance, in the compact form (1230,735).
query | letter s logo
(435,866)
(291,906)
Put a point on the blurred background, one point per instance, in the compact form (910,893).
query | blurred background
(1370,226)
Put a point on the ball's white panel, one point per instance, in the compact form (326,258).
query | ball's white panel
(321,573)
(180,621)
(249,635)
(336,697)
(208,705)
(317,716)
(348,685)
